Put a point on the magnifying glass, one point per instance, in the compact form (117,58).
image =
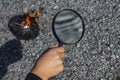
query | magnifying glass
(68,27)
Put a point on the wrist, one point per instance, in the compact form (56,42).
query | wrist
(39,74)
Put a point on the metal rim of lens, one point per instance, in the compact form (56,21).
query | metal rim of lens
(53,27)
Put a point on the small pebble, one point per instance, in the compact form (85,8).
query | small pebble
(113,56)
(55,7)
(117,56)
(33,54)
(78,45)
(112,68)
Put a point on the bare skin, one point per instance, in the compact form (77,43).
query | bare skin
(50,63)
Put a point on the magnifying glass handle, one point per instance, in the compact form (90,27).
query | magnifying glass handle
(60,44)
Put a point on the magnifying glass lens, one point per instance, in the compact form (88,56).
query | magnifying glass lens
(68,26)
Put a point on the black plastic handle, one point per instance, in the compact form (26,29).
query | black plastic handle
(60,44)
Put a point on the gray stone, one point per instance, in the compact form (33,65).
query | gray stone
(96,56)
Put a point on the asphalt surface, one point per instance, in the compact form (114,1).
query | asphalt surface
(95,57)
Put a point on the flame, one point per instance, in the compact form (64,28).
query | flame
(27,21)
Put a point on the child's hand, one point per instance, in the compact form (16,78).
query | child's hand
(50,63)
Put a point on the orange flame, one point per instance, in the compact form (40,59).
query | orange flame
(27,21)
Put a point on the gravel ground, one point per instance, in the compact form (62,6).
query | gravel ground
(95,57)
